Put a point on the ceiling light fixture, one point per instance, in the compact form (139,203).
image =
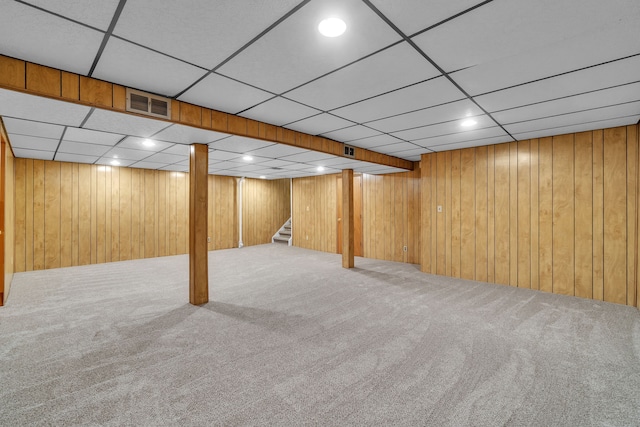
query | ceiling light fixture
(115,162)
(320,168)
(247,158)
(468,122)
(263,177)
(148,143)
(332,27)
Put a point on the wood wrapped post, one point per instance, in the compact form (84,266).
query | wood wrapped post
(198,203)
(348,235)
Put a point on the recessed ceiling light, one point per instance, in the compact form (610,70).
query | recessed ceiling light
(320,168)
(148,143)
(332,27)
(247,158)
(468,122)
(263,177)
(115,162)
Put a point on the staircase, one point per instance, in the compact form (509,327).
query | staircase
(284,234)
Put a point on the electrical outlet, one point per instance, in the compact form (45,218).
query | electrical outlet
(439,208)
(404,248)
(208,239)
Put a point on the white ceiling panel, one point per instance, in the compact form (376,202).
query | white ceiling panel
(31,34)
(96,13)
(71,147)
(128,154)
(110,121)
(594,78)
(351,133)
(22,106)
(162,158)
(33,142)
(309,156)
(250,168)
(412,16)
(218,155)
(561,57)
(27,127)
(442,113)
(605,113)
(320,124)
(471,143)
(411,154)
(375,141)
(436,141)
(130,65)
(372,76)
(74,158)
(223,94)
(278,150)
(432,92)
(92,136)
(276,163)
(136,143)
(239,144)
(179,149)
(294,52)
(209,31)
(33,154)
(279,111)
(188,135)
(148,165)
(508,28)
(590,100)
(108,162)
(394,148)
(598,124)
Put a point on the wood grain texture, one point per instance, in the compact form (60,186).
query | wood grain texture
(455,213)
(481,225)
(441,252)
(513,214)
(43,80)
(524,214)
(348,235)
(468,214)
(563,215)
(96,92)
(198,218)
(426,175)
(584,214)
(632,206)
(501,220)
(12,72)
(545,214)
(314,213)
(265,208)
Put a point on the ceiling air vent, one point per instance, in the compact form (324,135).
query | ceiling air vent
(349,151)
(150,105)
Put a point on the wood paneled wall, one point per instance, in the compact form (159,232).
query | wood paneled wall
(314,216)
(558,214)
(391,216)
(71,214)
(266,206)
(9,219)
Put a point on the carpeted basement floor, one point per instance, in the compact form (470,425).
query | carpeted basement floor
(291,338)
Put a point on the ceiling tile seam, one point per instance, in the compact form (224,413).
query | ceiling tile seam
(432,62)
(452,133)
(558,75)
(572,112)
(566,97)
(474,140)
(114,146)
(106,36)
(578,124)
(451,18)
(86,118)
(57,15)
(246,45)
(426,126)
(55,153)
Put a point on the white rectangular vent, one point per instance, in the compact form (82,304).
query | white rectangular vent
(350,151)
(150,105)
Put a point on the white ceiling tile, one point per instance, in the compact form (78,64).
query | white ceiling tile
(372,76)
(471,143)
(130,65)
(445,128)
(27,127)
(294,52)
(509,28)
(250,168)
(441,113)
(279,111)
(594,78)
(351,133)
(426,94)
(209,32)
(309,156)
(136,143)
(188,135)
(411,154)
(597,99)
(239,144)
(148,165)
(179,149)
(375,141)
(223,94)
(395,148)
(92,136)
(70,147)
(128,154)
(163,158)
(412,16)
(278,150)
(276,163)
(320,123)
(96,13)
(175,168)
(126,124)
(33,142)
(605,113)
(561,57)
(598,124)
(33,154)
(22,106)
(222,155)
(75,158)
(37,36)
(474,135)
(109,162)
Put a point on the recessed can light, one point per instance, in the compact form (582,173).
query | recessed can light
(247,158)
(263,177)
(115,162)
(332,27)
(320,168)
(468,122)
(148,143)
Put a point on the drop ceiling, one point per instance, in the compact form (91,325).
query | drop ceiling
(399,81)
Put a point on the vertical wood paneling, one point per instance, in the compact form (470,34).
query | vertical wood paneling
(584,214)
(524,214)
(125,214)
(31,204)
(447,213)
(441,252)
(467,214)
(84,214)
(455,213)
(563,215)
(38,215)
(66,216)
(501,220)
(545,214)
(115,214)
(21,215)
(535,281)
(632,206)
(513,214)
(425,213)
(481,214)
(491,241)
(266,208)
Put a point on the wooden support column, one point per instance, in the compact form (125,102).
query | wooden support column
(198,204)
(348,234)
